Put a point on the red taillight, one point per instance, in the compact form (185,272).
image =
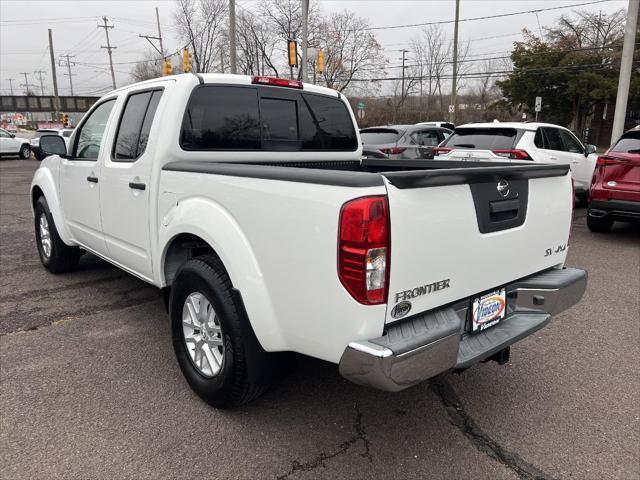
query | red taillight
(604,161)
(439,150)
(363,249)
(278,82)
(513,154)
(393,150)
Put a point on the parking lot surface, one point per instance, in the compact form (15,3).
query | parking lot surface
(91,389)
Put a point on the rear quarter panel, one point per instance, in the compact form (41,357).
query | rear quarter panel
(278,241)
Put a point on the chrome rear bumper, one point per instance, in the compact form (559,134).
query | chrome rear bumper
(428,344)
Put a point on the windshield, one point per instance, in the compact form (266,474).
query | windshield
(628,143)
(483,138)
(379,137)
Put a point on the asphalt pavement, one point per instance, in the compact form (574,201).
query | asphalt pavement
(90,387)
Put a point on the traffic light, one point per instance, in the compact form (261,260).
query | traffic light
(65,120)
(293,53)
(167,68)
(187,61)
(320,61)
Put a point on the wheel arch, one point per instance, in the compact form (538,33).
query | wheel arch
(199,226)
(43,185)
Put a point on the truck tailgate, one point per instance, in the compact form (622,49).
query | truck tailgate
(460,232)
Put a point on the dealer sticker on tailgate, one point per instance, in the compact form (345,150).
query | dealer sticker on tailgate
(488,310)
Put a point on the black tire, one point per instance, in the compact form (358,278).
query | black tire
(582,199)
(62,258)
(25,152)
(231,386)
(599,224)
(39,156)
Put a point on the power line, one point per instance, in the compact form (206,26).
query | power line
(485,17)
(68,65)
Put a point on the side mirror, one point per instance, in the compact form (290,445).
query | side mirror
(589,149)
(12,135)
(53,145)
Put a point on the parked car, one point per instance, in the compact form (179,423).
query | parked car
(402,141)
(35,141)
(12,145)
(447,125)
(513,141)
(247,202)
(615,189)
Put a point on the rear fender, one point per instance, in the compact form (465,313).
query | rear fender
(214,224)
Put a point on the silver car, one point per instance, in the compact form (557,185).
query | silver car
(402,141)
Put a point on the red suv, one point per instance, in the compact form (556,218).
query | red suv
(615,187)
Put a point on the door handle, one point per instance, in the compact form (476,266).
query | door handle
(137,186)
(92,179)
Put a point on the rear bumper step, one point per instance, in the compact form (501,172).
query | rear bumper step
(433,342)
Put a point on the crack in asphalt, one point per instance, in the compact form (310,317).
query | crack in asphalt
(461,419)
(319,460)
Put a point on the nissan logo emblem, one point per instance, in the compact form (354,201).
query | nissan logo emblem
(503,187)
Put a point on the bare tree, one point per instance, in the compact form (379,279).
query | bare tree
(255,42)
(284,19)
(147,68)
(585,29)
(351,50)
(201,24)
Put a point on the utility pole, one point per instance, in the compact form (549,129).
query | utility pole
(159,38)
(404,53)
(232,36)
(305,38)
(159,33)
(10,85)
(625,71)
(109,49)
(221,61)
(26,81)
(56,99)
(452,106)
(40,72)
(68,65)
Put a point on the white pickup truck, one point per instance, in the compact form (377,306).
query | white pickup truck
(247,202)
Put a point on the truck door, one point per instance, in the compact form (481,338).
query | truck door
(125,184)
(80,179)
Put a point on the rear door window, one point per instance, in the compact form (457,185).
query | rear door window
(379,137)
(428,138)
(483,138)
(135,124)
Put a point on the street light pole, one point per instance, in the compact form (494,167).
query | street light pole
(625,71)
(305,38)
(452,107)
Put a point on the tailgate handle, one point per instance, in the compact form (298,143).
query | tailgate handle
(501,206)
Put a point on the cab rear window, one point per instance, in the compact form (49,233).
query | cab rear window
(483,138)
(221,117)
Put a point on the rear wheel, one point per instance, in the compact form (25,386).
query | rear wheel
(55,255)
(599,224)
(207,335)
(25,152)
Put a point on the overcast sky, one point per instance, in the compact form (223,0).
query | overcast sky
(24,24)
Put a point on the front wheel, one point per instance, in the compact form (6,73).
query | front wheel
(599,224)
(25,152)
(55,255)
(207,335)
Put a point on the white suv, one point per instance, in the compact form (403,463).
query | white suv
(12,145)
(538,142)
